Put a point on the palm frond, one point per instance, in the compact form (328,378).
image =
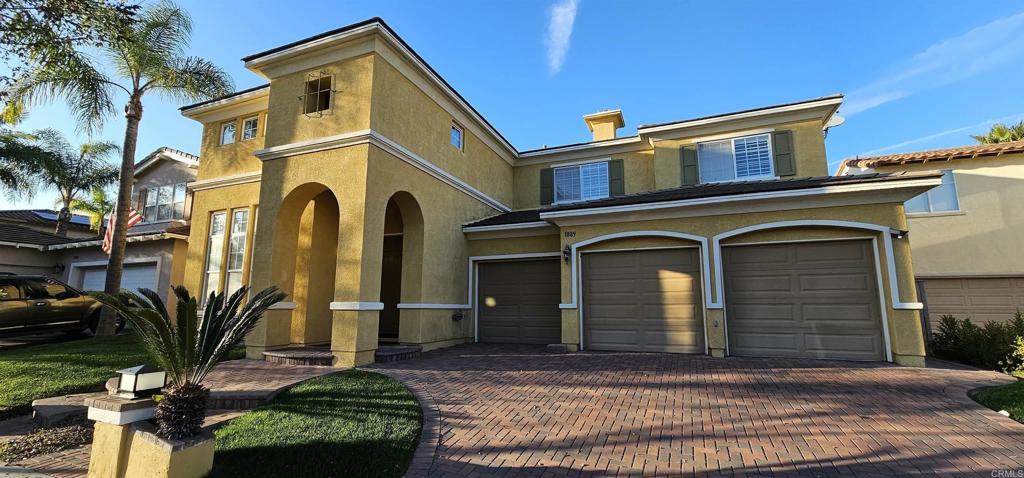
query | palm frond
(76,80)
(191,346)
(189,79)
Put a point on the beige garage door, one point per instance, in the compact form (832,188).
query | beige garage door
(646,301)
(980,299)
(517,302)
(814,299)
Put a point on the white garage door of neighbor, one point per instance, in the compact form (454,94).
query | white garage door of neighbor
(135,277)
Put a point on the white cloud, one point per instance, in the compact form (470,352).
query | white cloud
(977,128)
(977,51)
(563,15)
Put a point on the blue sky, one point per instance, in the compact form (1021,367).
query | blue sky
(917,74)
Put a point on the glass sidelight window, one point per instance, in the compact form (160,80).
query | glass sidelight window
(226,261)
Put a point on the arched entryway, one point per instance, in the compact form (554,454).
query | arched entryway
(401,263)
(304,260)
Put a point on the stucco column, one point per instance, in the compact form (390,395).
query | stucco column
(356,307)
(908,347)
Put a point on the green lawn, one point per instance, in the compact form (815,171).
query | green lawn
(49,370)
(1006,397)
(355,423)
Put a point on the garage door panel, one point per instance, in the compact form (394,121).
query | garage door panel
(821,303)
(525,297)
(656,305)
(982,299)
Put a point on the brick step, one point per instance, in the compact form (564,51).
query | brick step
(394,353)
(320,356)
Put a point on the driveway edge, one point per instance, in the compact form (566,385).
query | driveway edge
(430,435)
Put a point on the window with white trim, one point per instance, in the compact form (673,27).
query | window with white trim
(317,97)
(941,198)
(163,203)
(249,127)
(214,254)
(236,250)
(456,136)
(227,133)
(744,158)
(581,182)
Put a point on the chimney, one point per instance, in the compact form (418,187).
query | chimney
(604,123)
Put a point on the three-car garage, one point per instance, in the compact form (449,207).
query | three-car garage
(810,299)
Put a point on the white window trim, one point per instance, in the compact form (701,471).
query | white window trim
(731,138)
(234,137)
(462,136)
(156,189)
(948,212)
(579,164)
(256,132)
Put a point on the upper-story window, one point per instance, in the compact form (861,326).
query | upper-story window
(581,182)
(227,133)
(941,198)
(748,157)
(250,127)
(457,136)
(163,203)
(317,96)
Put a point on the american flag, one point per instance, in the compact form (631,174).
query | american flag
(108,237)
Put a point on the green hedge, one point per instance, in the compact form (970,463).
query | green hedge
(994,346)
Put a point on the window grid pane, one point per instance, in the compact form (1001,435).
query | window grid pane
(942,198)
(594,181)
(753,157)
(249,128)
(236,250)
(567,184)
(227,134)
(214,253)
(456,138)
(716,161)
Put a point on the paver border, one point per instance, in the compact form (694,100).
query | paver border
(430,433)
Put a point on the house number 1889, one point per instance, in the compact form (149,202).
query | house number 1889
(570,233)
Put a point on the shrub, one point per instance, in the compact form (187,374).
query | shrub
(994,346)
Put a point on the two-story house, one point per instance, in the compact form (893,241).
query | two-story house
(965,234)
(363,185)
(163,199)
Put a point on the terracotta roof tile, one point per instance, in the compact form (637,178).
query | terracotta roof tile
(960,152)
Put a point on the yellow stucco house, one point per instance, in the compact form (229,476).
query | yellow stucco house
(391,211)
(966,234)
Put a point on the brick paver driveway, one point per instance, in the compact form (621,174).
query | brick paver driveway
(517,411)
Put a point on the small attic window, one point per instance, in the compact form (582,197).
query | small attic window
(316,99)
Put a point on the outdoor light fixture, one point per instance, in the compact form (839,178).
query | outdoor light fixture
(898,234)
(567,253)
(141,381)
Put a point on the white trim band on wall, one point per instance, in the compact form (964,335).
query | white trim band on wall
(282,306)
(435,306)
(357,306)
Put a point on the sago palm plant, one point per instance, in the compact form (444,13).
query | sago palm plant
(188,347)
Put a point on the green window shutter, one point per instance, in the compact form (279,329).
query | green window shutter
(690,168)
(616,178)
(547,186)
(782,147)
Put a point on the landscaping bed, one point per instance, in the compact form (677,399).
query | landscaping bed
(354,423)
(49,370)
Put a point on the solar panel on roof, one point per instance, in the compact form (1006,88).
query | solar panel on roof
(52,216)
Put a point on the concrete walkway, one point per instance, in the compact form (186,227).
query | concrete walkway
(517,411)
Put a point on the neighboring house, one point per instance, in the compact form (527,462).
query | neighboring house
(162,196)
(966,234)
(363,185)
(45,220)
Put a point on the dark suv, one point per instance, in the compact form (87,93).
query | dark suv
(30,304)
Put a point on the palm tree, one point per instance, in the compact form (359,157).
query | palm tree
(96,207)
(148,58)
(72,171)
(1000,133)
(190,346)
(19,157)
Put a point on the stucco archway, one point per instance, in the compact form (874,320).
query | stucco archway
(304,259)
(401,263)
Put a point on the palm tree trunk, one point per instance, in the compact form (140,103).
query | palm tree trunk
(63,217)
(115,266)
